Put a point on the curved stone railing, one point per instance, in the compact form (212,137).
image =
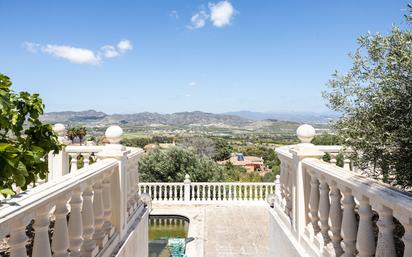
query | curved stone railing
(87,212)
(90,224)
(207,192)
(330,211)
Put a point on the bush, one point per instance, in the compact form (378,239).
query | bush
(171,165)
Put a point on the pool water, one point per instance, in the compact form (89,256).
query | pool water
(162,227)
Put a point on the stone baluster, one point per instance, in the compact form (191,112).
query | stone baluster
(230,193)
(86,160)
(204,192)
(349,224)
(98,209)
(385,245)
(193,187)
(346,164)
(107,204)
(88,248)
(255,195)
(289,202)
(250,192)
(175,196)
(41,245)
(365,242)
(75,223)
(407,237)
(73,162)
(18,238)
(284,188)
(324,207)
(60,243)
(209,193)
(261,191)
(335,215)
(314,204)
(170,193)
(155,196)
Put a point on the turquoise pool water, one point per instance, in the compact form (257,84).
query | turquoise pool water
(163,227)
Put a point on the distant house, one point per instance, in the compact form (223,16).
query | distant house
(250,163)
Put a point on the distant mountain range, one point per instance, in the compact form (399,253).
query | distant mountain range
(300,117)
(146,118)
(241,118)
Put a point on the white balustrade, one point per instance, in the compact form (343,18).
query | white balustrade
(207,192)
(77,206)
(337,207)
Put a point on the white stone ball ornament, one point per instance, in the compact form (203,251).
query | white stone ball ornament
(114,134)
(59,129)
(306,133)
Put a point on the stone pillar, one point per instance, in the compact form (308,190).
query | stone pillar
(187,188)
(300,152)
(59,163)
(119,189)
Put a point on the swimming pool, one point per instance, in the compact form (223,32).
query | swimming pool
(163,227)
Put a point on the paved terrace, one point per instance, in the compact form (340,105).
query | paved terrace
(223,230)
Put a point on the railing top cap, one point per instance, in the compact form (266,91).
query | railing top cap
(305,133)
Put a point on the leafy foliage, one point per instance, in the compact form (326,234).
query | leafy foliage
(171,165)
(375,99)
(222,149)
(326,139)
(24,140)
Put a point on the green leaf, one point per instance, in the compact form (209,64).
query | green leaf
(7,191)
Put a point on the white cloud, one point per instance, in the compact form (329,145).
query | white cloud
(73,54)
(81,55)
(221,13)
(31,47)
(192,83)
(109,51)
(174,14)
(198,20)
(124,45)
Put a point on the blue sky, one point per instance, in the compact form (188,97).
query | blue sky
(169,56)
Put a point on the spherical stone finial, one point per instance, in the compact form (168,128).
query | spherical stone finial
(114,134)
(305,133)
(59,129)
(187,178)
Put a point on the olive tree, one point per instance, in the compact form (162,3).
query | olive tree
(375,100)
(24,139)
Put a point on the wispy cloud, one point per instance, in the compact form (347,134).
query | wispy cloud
(124,45)
(174,14)
(221,13)
(72,54)
(81,55)
(192,83)
(109,51)
(198,20)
